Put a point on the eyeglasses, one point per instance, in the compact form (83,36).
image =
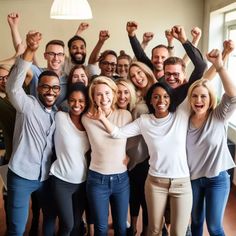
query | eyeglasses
(175,75)
(107,63)
(46,88)
(2,78)
(53,54)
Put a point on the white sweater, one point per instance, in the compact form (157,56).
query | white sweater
(71,145)
(166,141)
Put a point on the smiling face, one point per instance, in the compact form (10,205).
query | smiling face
(55,57)
(108,65)
(200,100)
(103,97)
(78,52)
(138,77)
(48,90)
(123,96)
(79,75)
(160,101)
(159,55)
(77,103)
(123,67)
(174,75)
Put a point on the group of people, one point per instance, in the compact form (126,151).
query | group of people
(119,133)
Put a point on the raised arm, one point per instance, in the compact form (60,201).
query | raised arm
(170,40)
(82,27)
(215,58)
(103,36)
(228,48)
(196,36)
(139,53)
(147,37)
(196,57)
(16,93)
(13,21)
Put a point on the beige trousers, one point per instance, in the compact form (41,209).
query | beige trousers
(157,191)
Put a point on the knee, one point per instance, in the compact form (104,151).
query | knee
(215,230)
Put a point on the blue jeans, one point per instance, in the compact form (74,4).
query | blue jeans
(102,189)
(210,196)
(19,191)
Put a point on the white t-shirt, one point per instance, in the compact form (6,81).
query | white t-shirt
(166,141)
(71,145)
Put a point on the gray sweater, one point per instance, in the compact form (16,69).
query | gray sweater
(207,149)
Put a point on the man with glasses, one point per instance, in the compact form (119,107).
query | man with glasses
(55,56)
(107,63)
(32,142)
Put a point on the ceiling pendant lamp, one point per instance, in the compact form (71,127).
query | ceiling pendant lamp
(70,10)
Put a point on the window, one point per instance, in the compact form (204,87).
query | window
(230,33)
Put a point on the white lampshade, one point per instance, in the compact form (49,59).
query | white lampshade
(70,10)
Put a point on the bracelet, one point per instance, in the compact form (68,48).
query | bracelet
(220,68)
(170,47)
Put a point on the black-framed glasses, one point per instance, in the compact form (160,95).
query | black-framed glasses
(168,75)
(2,78)
(53,54)
(45,88)
(107,63)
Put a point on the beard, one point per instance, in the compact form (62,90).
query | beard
(78,61)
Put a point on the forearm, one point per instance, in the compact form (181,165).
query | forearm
(211,72)
(139,52)
(16,38)
(228,84)
(93,58)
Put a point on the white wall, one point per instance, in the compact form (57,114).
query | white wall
(152,15)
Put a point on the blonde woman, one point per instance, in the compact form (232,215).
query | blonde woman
(107,180)
(207,151)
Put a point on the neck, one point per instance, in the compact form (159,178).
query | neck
(76,121)
(108,112)
(159,74)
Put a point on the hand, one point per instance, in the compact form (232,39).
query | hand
(104,35)
(131,27)
(196,34)
(13,19)
(169,36)
(33,39)
(178,32)
(215,57)
(147,37)
(82,27)
(96,114)
(228,46)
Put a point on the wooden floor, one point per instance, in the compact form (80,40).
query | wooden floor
(229,218)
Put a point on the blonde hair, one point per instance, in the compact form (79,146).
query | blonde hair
(148,72)
(129,85)
(209,86)
(102,80)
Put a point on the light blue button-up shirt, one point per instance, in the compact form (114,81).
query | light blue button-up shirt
(34,129)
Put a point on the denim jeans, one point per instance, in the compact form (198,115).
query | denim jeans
(102,189)
(210,196)
(19,192)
